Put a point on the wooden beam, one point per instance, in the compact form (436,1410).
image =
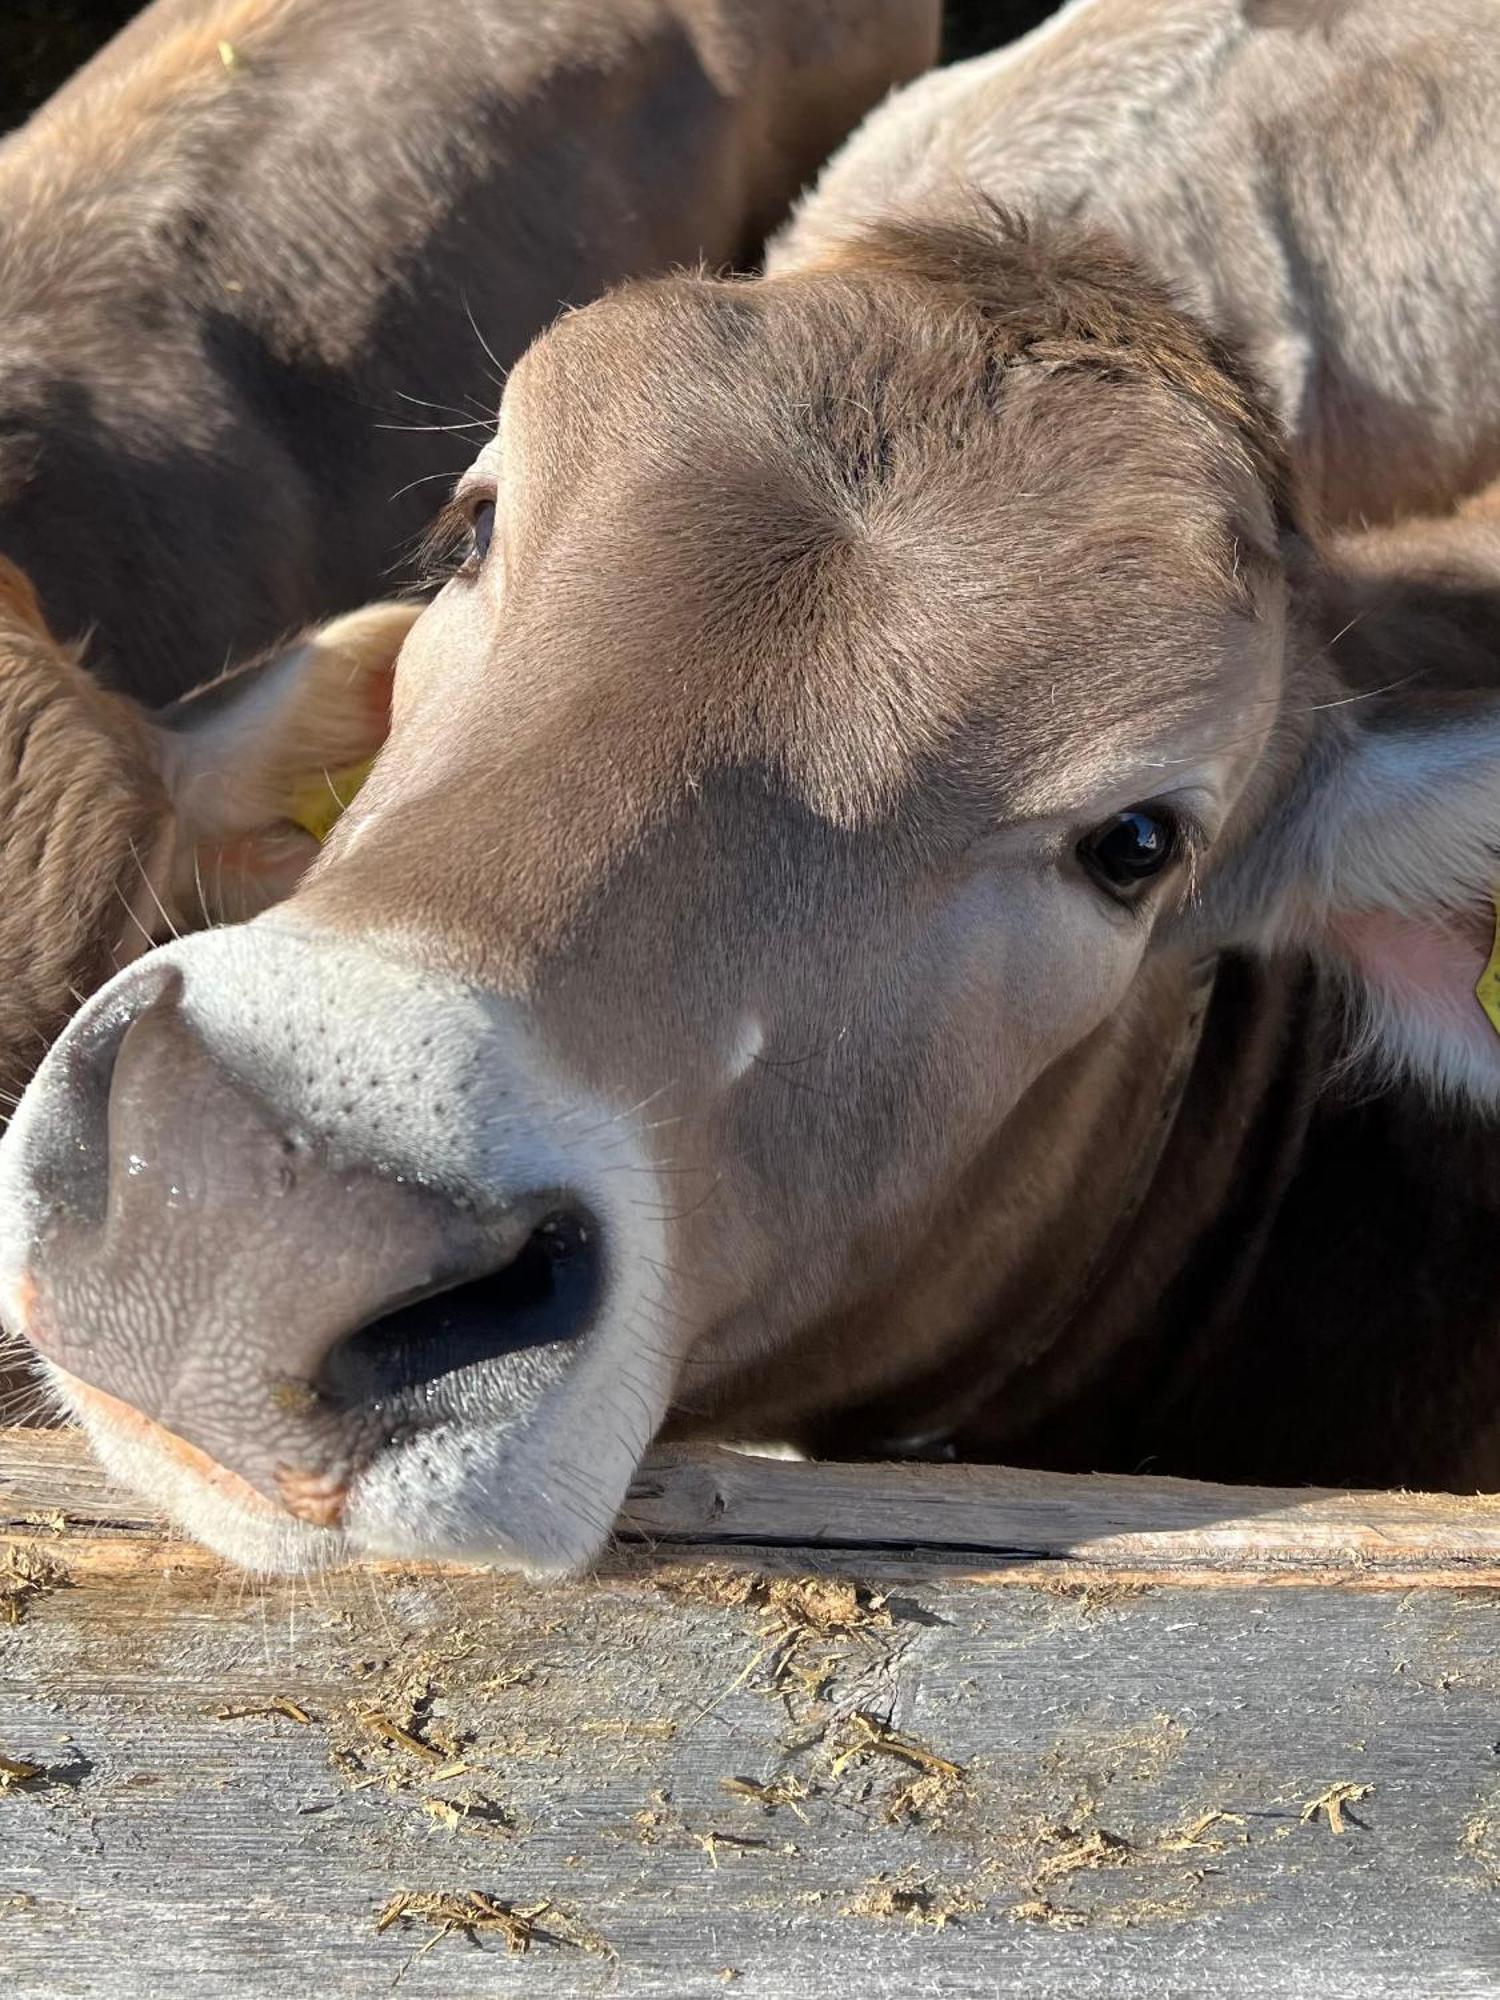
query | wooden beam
(711,1768)
(979,1520)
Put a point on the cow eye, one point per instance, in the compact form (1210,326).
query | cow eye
(481,531)
(1127,851)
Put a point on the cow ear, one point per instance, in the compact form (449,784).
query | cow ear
(258,765)
(1384,863)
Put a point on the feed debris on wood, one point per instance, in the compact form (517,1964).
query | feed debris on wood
(473,1914)
(1096,1849)
(871,1738)
(713,1840)
(776,1793)
(1332,1802)
(24,1576)
(1039,1911)
(913,1902)
(15,1772)
(279,1704)
(802,1618)
(1194,1835)
(403,1739)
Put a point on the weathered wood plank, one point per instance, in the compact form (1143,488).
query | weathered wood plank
(1171,1525)
(592,1727)
(187,1831)
(972,1515)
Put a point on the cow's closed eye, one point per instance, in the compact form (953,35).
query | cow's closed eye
(1127,852)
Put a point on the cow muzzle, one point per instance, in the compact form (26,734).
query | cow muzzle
(321,1276)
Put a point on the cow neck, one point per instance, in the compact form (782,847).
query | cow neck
(995,1280)
(1062,1317)
(1075,1307)
(1189,1240)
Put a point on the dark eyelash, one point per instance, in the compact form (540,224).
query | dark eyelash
(444,550)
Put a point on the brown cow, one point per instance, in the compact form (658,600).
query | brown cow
(255,261)
(851,937)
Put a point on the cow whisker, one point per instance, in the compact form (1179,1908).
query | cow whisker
(490,355)
(465,424)
(151,892)
(426,479)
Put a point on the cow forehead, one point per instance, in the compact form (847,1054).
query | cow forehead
(825,547)
(857,390)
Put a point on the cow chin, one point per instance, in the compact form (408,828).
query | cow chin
(538,1508)
(213,1508)
(536,1495)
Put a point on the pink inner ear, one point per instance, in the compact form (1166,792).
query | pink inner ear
(1418,974)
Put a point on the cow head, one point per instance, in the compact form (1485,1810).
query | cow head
(859,697)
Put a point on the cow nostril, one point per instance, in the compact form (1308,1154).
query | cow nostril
(74,1100)
(541,1296)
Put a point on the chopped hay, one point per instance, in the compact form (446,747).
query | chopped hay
(24,1576)
(829,1606)
(279,1704)
(653,1731)
(657,1821)
(826,1606)
(1096,1849)
(1039,1911)
(808,1624)
(771,1796)
(506,1679)
(926,1798)
(1193,1836)
(473,1914)
(714,1839)
(1099,1594)
(869,1737)
(715,1585)
(392,1737)
(1480,1843)
(1331,1804)
(380,1725)
(15,1772)
(909,1901)
(470,1812)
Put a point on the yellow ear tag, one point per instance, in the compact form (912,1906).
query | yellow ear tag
(316,804)
(1487,992)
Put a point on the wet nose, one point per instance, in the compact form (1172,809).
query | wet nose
(263,1289)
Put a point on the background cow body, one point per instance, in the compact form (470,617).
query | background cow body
(43,41)
(925,801)
(1228,144)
